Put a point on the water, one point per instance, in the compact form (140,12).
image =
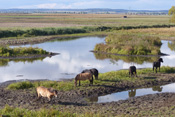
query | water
(74,57)
(133,93)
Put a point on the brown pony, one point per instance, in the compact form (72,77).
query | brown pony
(45,92)
(84,76)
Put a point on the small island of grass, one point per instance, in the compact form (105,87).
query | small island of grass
(7,52)
(130,44)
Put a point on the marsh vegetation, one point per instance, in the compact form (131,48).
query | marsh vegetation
(21,51)
(128,44)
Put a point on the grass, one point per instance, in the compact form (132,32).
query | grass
(21,112)
(21,51)
(130,44)
(159,32)
(108,79)
(9,111)
(78,20)
(57,24)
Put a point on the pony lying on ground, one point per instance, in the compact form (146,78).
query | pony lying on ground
(45,92)
(157,64)
(84,76)
(93,71)
(132,70)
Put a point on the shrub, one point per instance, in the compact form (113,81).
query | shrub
(21,85)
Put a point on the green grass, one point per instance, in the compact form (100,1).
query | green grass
(21,112)
(8,111)
(108,78)
(130,44)
(21,51)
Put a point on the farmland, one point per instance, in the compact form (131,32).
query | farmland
(23,21)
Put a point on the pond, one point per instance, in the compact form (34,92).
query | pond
(74,57)
(132,93)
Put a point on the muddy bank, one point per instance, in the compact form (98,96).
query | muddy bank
(75,100)
(41,39)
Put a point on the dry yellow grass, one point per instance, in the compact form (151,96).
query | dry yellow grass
(77,20)
(155,31)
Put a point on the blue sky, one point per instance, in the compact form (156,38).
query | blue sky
(84,4)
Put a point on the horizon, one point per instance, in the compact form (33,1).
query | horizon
(90,4)
(81,9)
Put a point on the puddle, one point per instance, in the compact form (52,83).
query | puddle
(132,93)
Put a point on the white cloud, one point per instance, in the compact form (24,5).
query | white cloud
(50,6)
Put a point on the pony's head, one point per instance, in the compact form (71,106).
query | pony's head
(160,60)
(76,78)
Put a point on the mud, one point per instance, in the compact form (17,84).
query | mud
(75,100)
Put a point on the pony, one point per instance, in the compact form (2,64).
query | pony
(93,71)
(84,76)
(132,70)
(157,64)
(45,92)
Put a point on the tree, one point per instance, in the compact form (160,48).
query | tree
(172,12)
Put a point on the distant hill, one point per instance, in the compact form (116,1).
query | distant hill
(84,11)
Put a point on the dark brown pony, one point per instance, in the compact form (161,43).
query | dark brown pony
(157,64)
(132,70)
(93,71)
(84,76)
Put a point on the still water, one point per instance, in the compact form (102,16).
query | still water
(133,93)
(74,56)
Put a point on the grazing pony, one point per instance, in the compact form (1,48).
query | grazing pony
(93,71)
(132,70)
(45,92)
(157,64)
(84,76)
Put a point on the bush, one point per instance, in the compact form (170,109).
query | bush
(21,85)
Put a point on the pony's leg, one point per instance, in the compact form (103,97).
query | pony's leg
(75,83)
(159,69)
(96,77)
(92,80)
(38,95)
(136,74)
(156,69)
(79,83)
(153,68)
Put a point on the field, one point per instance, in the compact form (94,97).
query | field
(23,21)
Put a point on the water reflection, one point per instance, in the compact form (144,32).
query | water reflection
(127,59)
(132,93)
(171,45)
(5,62)
(74,56)
(157,88)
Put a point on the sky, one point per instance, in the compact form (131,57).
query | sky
(85,4)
